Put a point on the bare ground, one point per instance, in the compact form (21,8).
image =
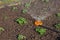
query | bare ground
(12,28)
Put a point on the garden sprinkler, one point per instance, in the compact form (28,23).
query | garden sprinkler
(40,24)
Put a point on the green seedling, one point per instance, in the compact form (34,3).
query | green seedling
(1,29)
(14,8)
(57,26)
(24,11)
(5,17)
(21,37)
(45,0)
(41,31)
(58,14)
(27,5)
(21,21)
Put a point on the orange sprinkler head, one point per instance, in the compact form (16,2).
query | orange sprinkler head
(37,23)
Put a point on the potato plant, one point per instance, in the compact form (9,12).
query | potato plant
(58,15)
(14,8)
(24,11)
(41,31)
(27,5)
(57,26)
(21,20)
(45,0)
(21,37)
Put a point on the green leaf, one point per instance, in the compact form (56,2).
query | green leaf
(57,25)
(21,37)
(1,29)
(58,15)
(24,10)
(37,29)
(21,20)
(41,31)
(27,5)
(14,8)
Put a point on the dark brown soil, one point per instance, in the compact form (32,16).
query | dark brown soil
(12,28)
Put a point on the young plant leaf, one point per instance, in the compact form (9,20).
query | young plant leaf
(27,5)
(41,31)
(1,29)
(14,8)
(57,26)
(21,20)
(21,37)
(58,15)
(24,11)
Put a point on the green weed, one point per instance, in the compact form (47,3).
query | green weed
(5,17)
